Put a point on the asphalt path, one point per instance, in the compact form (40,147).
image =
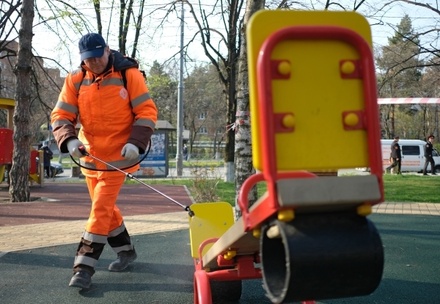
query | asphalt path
(164,270)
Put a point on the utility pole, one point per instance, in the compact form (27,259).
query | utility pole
(179,163)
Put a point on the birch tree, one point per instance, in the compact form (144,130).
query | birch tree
(243,143)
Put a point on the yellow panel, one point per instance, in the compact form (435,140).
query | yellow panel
(7,102)
(211,220)
(315,92)
(2,172)
(34,177)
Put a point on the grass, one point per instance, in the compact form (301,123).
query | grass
(197,163)
(226,192)
(411,188)
(398,188)
(67,163)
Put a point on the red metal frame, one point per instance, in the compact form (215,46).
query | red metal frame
(268,207)
(243,267)
(240,268)
(267,122)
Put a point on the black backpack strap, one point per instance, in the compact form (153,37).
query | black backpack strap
(82,79)
(124,78)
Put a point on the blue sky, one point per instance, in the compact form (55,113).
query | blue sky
(162,43)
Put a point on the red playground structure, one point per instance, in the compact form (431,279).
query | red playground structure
(6,147)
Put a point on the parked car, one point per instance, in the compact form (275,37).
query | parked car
(413,159)
(56,169)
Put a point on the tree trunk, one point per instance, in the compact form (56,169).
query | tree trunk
(243,144)
(19,187)
(230,137)
(393,125)
(231,89)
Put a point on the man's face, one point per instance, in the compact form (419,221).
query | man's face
(98,64)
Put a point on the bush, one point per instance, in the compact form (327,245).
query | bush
(205,182)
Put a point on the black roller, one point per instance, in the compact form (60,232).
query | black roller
(321,256)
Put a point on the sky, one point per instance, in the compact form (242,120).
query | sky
(158,42)
(164,43)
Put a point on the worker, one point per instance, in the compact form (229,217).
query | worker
(117,121)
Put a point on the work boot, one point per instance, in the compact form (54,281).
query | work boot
(81,279)
(123,260)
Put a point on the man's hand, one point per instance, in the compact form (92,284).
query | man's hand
(73,146)
(130,152)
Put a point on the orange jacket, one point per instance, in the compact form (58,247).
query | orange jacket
(110,115)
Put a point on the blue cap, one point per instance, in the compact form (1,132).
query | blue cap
(91,45)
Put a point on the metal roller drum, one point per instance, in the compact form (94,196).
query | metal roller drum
(321,256)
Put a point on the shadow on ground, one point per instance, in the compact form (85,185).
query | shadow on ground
(164,270)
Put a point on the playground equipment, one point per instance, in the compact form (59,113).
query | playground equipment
(6,143)
(313,109)
(6,146)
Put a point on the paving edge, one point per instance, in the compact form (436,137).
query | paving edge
(25,237)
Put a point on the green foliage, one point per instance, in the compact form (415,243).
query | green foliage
(226,192)
(398,188)
(194,163)
(404,32)
(400,74)
(205,106)
(404,188)
(163,91)
(207,186)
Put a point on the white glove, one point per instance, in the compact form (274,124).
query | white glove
(73,146)
(130,152)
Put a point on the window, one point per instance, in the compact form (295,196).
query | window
(203,130)
(411,150)
(202,116)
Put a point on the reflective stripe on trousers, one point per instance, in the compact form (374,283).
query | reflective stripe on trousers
(91,246)
(105,223)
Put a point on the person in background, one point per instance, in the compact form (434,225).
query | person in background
(185,152)
(396,156)
(117,121)
(428,156)
(47,156)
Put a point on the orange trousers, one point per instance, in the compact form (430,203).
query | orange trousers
(104,189)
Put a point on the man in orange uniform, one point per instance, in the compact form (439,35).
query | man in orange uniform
(117,121)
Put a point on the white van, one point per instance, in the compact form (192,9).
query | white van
(413,155)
